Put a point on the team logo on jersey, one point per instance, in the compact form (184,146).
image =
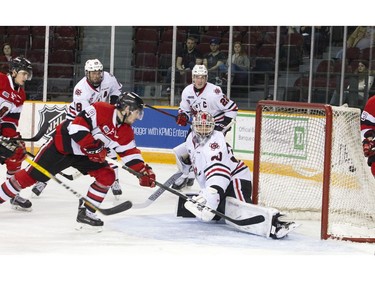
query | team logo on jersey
(51,117)
(78,92)
(214,146)
(217,91)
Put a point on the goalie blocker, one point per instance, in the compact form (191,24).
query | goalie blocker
(234,208)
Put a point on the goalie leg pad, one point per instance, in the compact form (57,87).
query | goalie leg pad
(238,210)
(182,158)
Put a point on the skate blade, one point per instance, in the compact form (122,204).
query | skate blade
(117,197)
(88,228)
(19,208)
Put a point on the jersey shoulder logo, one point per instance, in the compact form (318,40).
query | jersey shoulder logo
(214,145)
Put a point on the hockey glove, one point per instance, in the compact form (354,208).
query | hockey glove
(148,178)
(96,151)
(9,149)
(182,119)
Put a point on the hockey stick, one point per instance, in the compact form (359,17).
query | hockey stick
(243,222)
(157,192)
(109,211)
(37,137)
(164,112)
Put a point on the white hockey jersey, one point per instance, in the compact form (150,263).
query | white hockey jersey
(210,99)
(214,162)
(84,94)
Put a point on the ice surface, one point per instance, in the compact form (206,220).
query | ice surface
(150,242)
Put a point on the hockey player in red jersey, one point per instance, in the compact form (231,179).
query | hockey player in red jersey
(202,96)
(368,132)
(83,144)
(12,97)
(97,85)
(225,182)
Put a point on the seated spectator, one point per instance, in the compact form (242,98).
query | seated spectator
(362,37)
(321,38)
(358,88)
(240,65)
(213,60)
(5,57)
(185,61)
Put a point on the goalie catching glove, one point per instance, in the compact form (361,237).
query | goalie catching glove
(369,143)
(148,178)
(96,151)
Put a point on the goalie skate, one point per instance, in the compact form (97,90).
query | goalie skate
(280,229)
(21,204)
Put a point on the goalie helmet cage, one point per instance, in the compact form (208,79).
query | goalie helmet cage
(309,163)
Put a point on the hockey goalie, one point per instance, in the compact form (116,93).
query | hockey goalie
(225,183)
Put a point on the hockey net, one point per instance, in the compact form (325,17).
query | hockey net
(309,163)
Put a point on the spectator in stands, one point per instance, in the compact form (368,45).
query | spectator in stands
(321,37)
(185,61)
(213,60)
(362,37)
(358,88)
(240,65)
(6,57)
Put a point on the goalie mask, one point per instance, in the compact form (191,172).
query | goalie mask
(94,72)
(129,108)
(203,126)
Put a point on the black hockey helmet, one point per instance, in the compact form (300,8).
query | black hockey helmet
(20,63)
(132,100)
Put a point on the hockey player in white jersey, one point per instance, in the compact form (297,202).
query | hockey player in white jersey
(202,96)
(97,85)
(225,182)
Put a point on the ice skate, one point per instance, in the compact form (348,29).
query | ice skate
(21,204)
(88,220)
(38,188)
(280,229)
(116,189)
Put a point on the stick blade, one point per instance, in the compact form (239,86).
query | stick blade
(116,209)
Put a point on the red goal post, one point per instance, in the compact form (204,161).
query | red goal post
(309,163)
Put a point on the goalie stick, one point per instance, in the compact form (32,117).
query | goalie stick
(243,222)
(109,211)
(157,192)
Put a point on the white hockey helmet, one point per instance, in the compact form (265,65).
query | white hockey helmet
(199,69)
(203,125)
(94,65)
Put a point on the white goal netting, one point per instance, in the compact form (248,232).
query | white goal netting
(291,166)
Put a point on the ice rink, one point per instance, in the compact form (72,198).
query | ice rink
(152,242)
